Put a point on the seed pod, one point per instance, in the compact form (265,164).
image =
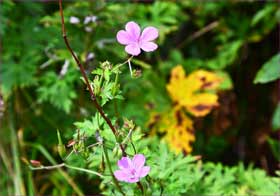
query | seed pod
(60,147)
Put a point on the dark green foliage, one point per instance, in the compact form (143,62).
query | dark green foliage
(43,92)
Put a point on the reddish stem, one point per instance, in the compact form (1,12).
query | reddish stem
(82,70)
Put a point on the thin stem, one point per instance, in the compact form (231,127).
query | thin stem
(92,145)
(46,154)
(134,149)
(82,70)
(110,169)
(127,137)
(47,167)
(140,186)
(199,33)
(67,166)
(129,59)
(130,68)
(84,170)
(19,188)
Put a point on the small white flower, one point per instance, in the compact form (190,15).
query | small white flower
(88,29)
(90,56)
(89,19)
(64,69)
(74,20)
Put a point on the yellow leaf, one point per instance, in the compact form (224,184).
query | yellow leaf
(189,91)
(201,104)
(180,133)
(207,80)
(178,128)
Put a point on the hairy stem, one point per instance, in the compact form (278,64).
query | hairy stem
(82,70)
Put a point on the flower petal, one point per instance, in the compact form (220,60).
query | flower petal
(149,34)
(125,163)
(144,172)
(132,180)
(124,38)
(133,49)
(133,30)
(121,175)
(148,46)
(138,161)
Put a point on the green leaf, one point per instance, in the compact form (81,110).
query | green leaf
(275,146)
(265,12)
(58,90)
(276,118)
(227,54)
(227,82)
(270,71)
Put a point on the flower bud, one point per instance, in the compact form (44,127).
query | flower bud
(35,163)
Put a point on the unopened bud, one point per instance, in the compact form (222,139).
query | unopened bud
(197,157)
(35,163)
(136,73)
(71,143)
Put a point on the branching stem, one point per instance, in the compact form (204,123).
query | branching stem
(82,70)
(67,166)
(110,169)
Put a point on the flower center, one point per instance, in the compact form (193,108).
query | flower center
(132,172)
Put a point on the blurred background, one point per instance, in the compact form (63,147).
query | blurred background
(41,90)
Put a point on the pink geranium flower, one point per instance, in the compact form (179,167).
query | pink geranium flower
(135,40)
(132,170)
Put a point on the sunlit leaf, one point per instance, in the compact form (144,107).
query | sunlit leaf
(270,71)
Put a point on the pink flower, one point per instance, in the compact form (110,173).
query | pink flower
(132,170)
(135,40)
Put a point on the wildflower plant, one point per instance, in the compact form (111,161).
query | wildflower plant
(98,137)
(114,149)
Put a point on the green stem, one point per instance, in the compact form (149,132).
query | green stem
(47,155)
(67,166)
(84,170)
(110,169)
(18,183)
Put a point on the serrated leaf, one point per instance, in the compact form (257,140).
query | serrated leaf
(58,90)
(97,72)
